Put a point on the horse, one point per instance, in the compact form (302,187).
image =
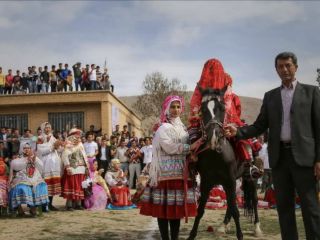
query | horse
(217,164)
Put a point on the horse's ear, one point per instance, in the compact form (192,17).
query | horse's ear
(200,89)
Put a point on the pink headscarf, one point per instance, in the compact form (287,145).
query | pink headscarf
(165,109)
(166,106)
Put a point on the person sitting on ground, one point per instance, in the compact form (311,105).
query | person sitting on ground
(100,191)
(26,184)
(117,182)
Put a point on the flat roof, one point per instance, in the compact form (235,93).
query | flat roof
(94,96)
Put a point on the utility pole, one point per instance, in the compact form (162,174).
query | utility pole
(318,78)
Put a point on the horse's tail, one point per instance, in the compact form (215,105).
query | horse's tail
(249,194)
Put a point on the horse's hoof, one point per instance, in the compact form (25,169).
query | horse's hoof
(192,236)
(228,227)
(257,230)
(222,229)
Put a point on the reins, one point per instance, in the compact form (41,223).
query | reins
(204,136)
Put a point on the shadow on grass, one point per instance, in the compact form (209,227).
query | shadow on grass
(107,236)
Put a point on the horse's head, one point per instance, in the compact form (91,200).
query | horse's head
(212,112)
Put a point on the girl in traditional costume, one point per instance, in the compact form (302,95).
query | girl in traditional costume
(118,184)
(26,183)
(170,195)
(47,147)
(100,191)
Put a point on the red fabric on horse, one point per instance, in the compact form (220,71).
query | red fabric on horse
(213,76)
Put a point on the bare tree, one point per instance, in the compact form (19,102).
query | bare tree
(318,78)
(156,89)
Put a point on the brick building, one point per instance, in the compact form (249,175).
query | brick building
(65,109)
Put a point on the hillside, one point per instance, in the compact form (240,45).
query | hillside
(250,108)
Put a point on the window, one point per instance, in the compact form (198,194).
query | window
(19,121)
(64,121)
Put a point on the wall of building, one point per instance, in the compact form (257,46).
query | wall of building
(38,114)
(96,105)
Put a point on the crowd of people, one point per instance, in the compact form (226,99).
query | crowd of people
(56,79)
(90,170)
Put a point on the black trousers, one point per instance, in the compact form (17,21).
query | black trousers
(103,164)
(289,178)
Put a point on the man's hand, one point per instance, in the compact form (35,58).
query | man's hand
(230,130)
(317,170)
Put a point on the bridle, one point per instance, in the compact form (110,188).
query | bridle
(204,136)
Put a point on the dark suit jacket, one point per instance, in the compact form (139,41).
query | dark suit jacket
(305,124)
(108,153)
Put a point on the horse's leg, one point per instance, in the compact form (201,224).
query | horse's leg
(257,230)
(224,228)
(204,189)
(227,217)
(231,200)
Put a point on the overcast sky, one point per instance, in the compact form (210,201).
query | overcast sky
(175,38)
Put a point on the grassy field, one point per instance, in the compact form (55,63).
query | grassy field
(126,224)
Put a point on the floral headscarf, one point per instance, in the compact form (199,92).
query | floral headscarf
(166,106)
(164,117)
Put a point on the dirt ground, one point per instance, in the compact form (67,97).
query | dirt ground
(125,224)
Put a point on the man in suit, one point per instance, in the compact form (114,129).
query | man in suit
(292,114)
(104,156)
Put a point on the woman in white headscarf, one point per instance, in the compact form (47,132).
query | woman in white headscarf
(117,181)
(26,184)
(47,147)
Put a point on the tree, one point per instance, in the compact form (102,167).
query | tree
(156,89)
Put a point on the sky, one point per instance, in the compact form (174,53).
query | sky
(175,38)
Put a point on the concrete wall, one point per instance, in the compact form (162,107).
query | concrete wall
(96,106)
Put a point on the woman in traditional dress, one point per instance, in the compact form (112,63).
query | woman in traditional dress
(26,184)
(47,147)
(75,166)
(117,181)
(100,191)
(170,195)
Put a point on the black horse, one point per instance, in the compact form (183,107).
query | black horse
(217,163)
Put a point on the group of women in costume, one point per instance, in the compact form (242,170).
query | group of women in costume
(59,169)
